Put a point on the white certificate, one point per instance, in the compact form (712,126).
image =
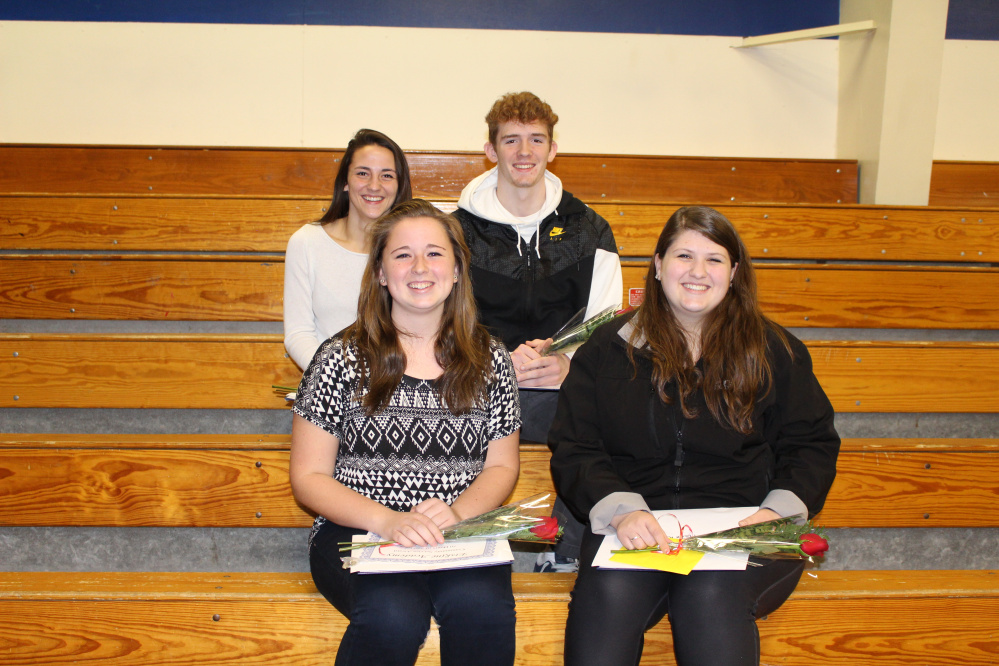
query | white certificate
(700,521)
(459,554)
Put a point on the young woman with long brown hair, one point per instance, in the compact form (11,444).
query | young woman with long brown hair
(696,400)
(405,424)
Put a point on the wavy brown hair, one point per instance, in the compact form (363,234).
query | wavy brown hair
(462,347)
(522,107)
(733,344)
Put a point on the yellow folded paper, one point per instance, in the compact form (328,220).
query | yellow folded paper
(680,563)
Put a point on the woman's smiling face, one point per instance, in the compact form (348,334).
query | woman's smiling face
(695,274)
(372,181)
(418,267)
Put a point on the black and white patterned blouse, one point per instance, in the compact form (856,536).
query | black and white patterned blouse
(415,448)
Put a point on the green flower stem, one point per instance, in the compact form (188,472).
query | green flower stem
(780,538)
(511,521)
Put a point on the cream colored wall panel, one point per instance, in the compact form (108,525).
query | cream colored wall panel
(177,84)
(969,102)
(659,94)
(148,83)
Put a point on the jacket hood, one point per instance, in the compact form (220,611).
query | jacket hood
(480,199)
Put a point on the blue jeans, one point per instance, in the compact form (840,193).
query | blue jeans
(537,411)
(390,613)
(712,613)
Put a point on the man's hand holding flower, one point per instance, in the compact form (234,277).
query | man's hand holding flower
(534,370)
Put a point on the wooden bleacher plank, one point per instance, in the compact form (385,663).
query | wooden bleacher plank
(173,586)
(850,233)
(250,288)
(602,178)
(160,224)
(244,224)
(850,296)
(237,371)
(139,488)
(161,288)
(895,483)
(197,480)
(255,442)
(964,184)
(842,617)
(137,371)
(309,172)
(706,180)
(70,169)
(140,633)
(938,489)
(911,377)
(881,631)
(880,297)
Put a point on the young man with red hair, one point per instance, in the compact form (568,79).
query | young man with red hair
(539,256)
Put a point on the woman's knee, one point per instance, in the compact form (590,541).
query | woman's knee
(330,582)
(708,598)
(780,584)
(403,624)
(609,612)
(476,598)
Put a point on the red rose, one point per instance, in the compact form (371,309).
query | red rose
(814,545)
(547,529)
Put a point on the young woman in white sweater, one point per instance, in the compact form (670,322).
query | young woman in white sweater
(325,259)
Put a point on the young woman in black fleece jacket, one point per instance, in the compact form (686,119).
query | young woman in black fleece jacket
(696,400)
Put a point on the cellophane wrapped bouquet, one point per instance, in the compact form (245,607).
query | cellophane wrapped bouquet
(577,331)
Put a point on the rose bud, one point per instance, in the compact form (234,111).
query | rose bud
(547,530)
(813,545)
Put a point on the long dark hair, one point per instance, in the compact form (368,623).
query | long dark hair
(340,205)
(462,347)
(733,342)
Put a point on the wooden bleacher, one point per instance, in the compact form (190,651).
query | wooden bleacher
(849,618)
(309,173)
(120,170)
(222,371)
(157,235)
(964,184)
(242,481)
(238,271)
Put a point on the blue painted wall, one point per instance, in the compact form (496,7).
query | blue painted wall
(973,19)
(703,17)
(967,19)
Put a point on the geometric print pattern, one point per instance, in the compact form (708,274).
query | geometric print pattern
(403,482)
(415,448)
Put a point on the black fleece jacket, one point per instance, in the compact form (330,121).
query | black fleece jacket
(612,433)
